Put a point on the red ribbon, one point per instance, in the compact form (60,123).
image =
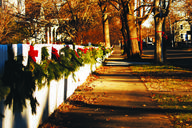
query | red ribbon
(133,38)
(83,50)
(163,34)
(33,53)
(76,54)
(55,53)
(80,49)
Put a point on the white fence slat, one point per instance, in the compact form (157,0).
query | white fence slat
(3,57)
(7,121)
(25,49)
(52,96)
(58,47)
(14,48)
(60,91)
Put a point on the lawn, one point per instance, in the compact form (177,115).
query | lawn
(171,88)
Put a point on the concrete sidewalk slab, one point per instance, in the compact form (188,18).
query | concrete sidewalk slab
(122,102)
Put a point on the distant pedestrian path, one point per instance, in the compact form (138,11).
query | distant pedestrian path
(118,59)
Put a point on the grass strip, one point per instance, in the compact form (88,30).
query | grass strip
(171,89)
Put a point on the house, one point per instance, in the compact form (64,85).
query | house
(181,30)
(47,22)
(181,24)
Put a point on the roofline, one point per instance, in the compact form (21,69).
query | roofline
(182,20)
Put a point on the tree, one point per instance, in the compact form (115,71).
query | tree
(143,7)
(179,10)
(188,5)
(81,16)
(93,35)
(161,10)
(129,24)
(115,29)
(11,30)
(104,7)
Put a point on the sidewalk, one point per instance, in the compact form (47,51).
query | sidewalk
(122,101)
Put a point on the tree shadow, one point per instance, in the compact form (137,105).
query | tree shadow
(131,110)
(99,116)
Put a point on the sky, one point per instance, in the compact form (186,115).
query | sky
(147,23)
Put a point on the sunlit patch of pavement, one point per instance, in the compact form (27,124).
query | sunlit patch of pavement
(124,63)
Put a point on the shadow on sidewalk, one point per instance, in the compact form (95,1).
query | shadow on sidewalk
(130,110)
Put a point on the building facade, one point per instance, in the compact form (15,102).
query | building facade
(181,29)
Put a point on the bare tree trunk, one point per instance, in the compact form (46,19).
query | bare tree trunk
(161,10)
(132,32)
(158,39)
(106,31)
(140,38)
(131,29)
(124,32)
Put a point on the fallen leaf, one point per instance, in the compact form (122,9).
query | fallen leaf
(144,105)
(184,107)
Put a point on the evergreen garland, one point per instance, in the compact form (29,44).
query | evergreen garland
(19,82)
(90,55)
(99,52)
(44,53)
(85,55)
(69,60)
(54,71)
(38,72)
(52,68)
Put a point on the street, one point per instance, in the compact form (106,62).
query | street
(176,57)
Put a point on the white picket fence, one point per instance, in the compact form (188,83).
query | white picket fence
(49,97)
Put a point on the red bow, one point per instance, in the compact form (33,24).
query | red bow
(55,52)
(33,53)
(80,49)
(76,54)
(85,50)
(166,37)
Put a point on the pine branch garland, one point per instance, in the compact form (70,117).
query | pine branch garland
(19,82)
